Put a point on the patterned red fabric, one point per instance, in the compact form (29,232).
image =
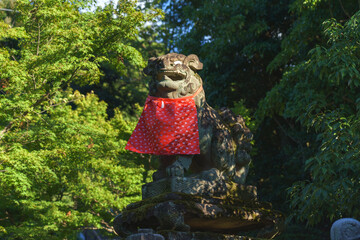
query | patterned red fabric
(167,127)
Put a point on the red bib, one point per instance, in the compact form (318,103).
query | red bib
(167,127)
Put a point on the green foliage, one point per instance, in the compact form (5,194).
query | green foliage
(59,46)
(9,15)
(62,160)
(322,95)
(240,109)
(302,58)
(235,40)
(66,171)
(305,32)
(126,90)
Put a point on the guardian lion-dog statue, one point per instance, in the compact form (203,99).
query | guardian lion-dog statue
(224,139)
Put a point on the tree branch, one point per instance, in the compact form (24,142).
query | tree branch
(6,129)
(37,103)
(330,9)
(38,41)
(54,105)
(283,130)
(7,10)
(292,138)
(9,126)
(342,7)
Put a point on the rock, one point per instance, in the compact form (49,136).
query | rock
(173,235)
(184,185)
(145,234)
(182,212)
(203,186)
(345,229)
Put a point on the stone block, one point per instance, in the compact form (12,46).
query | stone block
(198,187)
(145,234)
(183,185)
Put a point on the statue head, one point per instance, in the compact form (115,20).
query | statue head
(174,75)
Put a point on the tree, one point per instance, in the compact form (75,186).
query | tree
(235,40)
(67,171)
(60,46)
(62,163)
(322,95)
(127,90)
(254,50)
(8,14)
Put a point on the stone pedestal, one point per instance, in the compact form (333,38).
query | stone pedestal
(182,209)
(173,235)
(145,234)
(198,187)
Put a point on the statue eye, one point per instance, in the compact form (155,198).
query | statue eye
(177,62)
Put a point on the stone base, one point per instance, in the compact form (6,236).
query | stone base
(199,187)
(145,234)
(187,213)
(174,235)
(149,234)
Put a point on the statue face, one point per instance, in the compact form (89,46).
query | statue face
(174,75)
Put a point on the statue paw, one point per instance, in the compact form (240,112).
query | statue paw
(175,170)
(159,174)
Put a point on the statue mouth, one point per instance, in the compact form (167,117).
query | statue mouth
(168,84)
(169,80)
(169,74)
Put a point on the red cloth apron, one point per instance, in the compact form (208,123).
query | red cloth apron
(167,127)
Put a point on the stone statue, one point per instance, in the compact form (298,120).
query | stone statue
(224,139)
(198,192)
(345,229)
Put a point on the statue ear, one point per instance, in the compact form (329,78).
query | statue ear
(193,62)
(148,69)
